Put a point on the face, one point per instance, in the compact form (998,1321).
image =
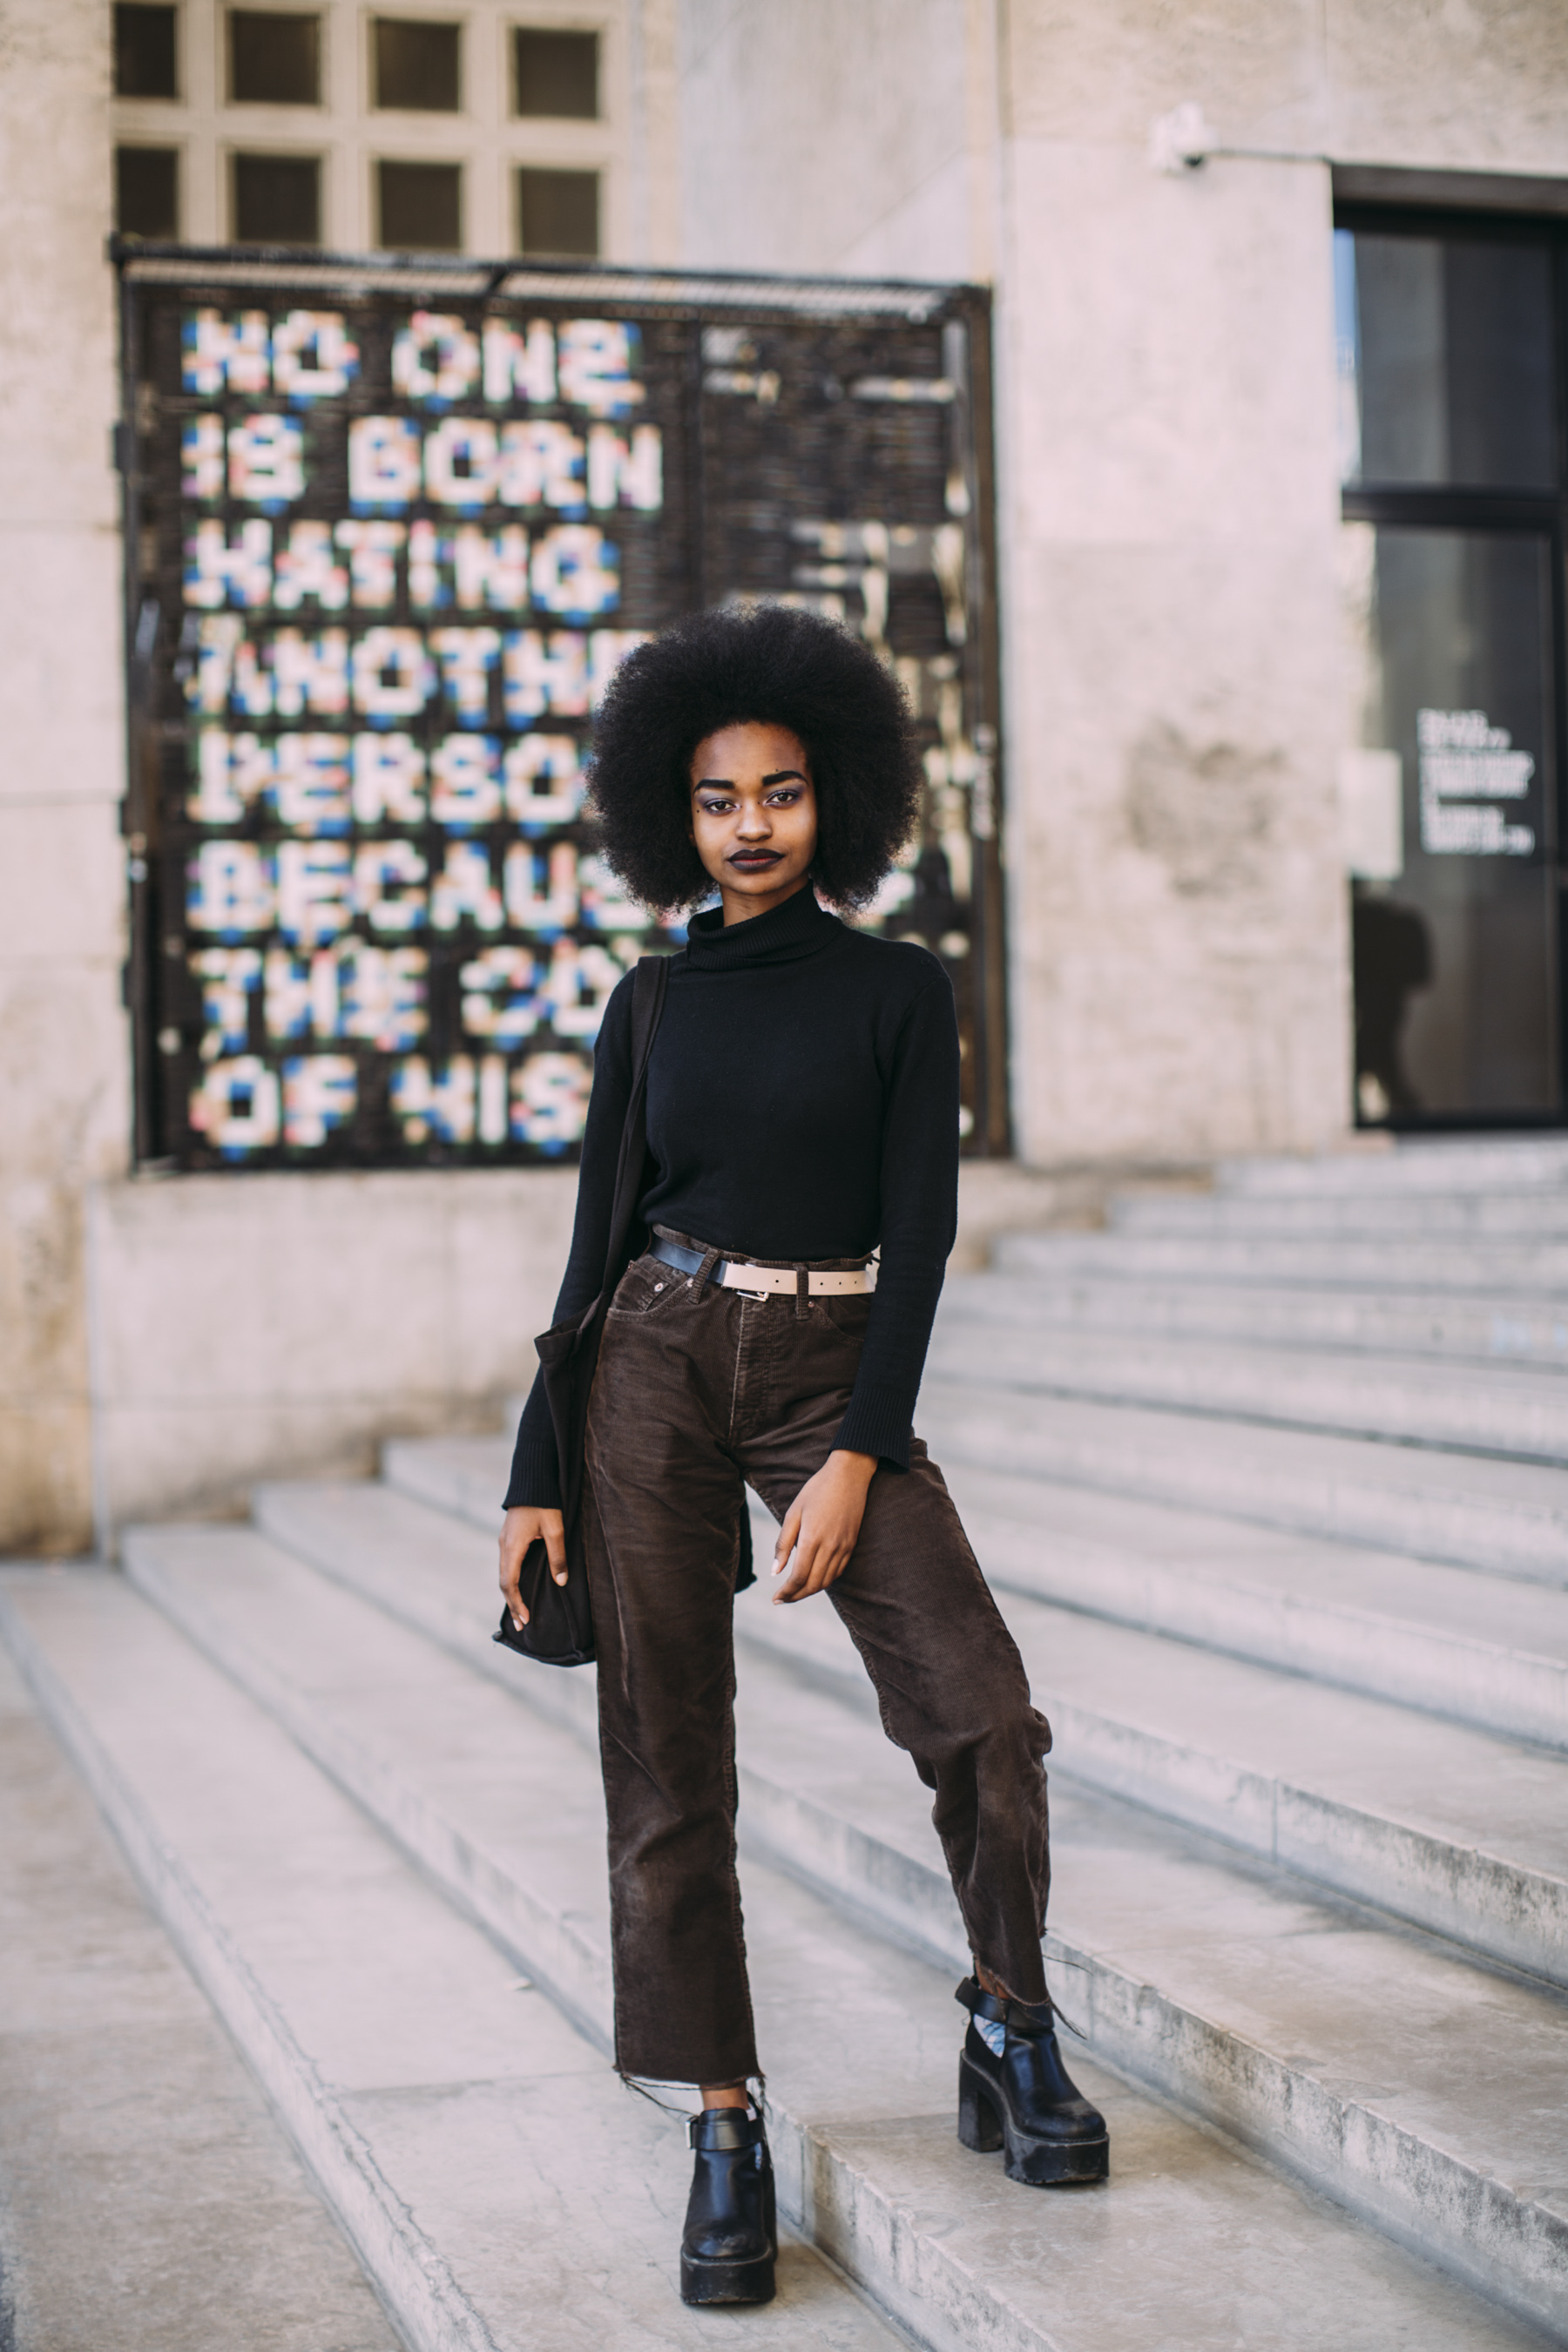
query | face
(753,815)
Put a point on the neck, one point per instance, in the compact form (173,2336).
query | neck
(741,906)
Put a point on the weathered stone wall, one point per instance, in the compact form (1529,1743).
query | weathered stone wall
(264,1325)
(1454,85)
(63,1065)
(821,137)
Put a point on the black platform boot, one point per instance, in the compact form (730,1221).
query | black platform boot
(731,2238)
(1025,2100)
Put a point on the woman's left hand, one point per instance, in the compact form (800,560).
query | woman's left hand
(822,1526)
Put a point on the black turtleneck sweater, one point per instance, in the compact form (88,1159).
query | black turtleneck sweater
(802,1103)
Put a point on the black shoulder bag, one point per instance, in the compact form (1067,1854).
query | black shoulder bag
(559,1628)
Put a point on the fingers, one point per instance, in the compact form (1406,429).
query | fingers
(511,1557)
(521,1529)
(817,1563)
(789,1536)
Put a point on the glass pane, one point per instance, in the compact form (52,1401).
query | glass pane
(144,51)
(1446,361)
(274,59)
(421,208)
(559,213)
(147,192)
(277,200)
(1454,953)
(416,64)
(558,73)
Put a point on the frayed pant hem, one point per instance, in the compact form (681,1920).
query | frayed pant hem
(649,2086)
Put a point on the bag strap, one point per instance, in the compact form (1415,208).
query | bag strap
(649,981)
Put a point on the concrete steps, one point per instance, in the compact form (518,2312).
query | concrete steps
(465,2122)
(1457,1831)
(1433,1164)
(1441,1325)
(456,2121)
(1483,1649)
(1270,1483)
(149,2202)
(1504,1518)
(1489,1271)
(826,1797)
(841,1812)
(1518,1413)
(1486,1213)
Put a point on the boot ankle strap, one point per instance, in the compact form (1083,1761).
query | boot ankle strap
(1022,2017)
(721,2130)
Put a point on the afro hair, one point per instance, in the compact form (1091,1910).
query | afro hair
(774,667)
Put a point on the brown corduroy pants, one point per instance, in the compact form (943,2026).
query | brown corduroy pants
(698,1392)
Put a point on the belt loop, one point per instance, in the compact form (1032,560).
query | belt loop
(802,1292)
(699,1279)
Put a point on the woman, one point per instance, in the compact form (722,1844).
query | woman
(801,1111)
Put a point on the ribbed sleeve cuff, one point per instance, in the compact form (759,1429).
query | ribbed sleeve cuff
(535,1482)
(877,1421)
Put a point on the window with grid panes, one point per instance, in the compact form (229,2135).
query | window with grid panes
(415,65)
(420,207)
(555,73)
(558,213)
(146,59)
(147,192)
(276,199)
(274,58)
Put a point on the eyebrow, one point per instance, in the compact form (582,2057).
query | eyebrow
(727,784)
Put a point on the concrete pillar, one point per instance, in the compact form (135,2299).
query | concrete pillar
(64,1111)
(1178,904)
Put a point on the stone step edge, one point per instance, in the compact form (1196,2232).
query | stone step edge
(1499,1909)
(1383,1164)
(1304,1321)
(1521,1694)
(1496,1266)
(1479,1535)
(1328,1642)
(1421,1431)
(1129,1311)
(1022,1270)
(402,1461)
(1535,1215)
(407,2273)
(1491,1539)
(1493,1907)
(1420,2194)
(829,2200)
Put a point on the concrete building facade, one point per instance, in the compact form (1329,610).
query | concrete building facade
(1150,193)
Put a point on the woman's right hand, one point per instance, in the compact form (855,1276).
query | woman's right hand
(520,1528)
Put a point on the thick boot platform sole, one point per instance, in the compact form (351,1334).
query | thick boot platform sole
(750,2281)
(984,2125)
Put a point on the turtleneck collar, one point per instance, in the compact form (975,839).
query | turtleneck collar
(783,935)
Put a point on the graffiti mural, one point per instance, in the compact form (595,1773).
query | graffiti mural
(389,538)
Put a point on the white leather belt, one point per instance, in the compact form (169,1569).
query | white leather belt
(764,1281)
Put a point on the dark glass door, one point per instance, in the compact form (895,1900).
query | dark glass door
(1453,539)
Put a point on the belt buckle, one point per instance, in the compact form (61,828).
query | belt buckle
(740,1293)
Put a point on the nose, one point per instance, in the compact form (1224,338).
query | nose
(754,824)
